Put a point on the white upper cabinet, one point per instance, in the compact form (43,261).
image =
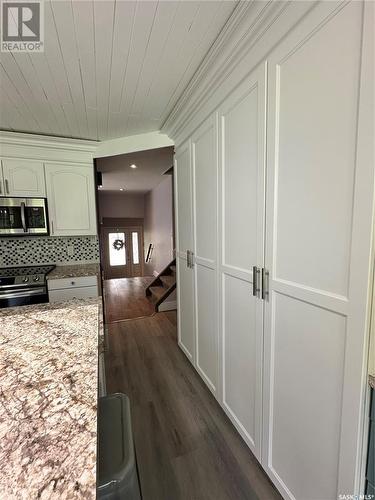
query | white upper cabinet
(71,199)
(23,178)
(184,199)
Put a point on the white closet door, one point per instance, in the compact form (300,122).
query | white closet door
(184,237)
(242,123)
(205,180)
(319,207)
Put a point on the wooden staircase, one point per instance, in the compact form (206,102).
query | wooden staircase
(162,286)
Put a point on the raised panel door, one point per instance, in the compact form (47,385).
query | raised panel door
(71,199)
(319,207)
(242,191)
(23,178)
(205,199)
(184,239)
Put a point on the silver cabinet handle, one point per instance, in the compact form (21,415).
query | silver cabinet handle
(256,273)
(1,189)
(7,186)
(23,218)
(52,231)
(191,259)
(188,258)
(265,283)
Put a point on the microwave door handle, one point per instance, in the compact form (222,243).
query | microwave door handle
(23,218)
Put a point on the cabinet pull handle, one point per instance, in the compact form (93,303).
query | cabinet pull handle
(7,186)
(23,218)
(256,273)
(52,231)
(188,258)
(191,259)
(1,189)
(265,280)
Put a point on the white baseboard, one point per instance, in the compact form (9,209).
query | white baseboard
(168,306)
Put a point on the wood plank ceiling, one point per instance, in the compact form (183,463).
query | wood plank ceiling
(110,68)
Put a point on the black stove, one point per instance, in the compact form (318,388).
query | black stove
(23,285)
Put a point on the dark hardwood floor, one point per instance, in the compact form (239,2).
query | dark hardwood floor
(186,447)
(125,298)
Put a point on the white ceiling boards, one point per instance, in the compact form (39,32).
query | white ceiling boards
(110,68)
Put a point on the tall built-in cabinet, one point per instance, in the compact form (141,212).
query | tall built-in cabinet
(275,196)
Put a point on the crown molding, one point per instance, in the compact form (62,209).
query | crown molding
(46,141)
(247,24)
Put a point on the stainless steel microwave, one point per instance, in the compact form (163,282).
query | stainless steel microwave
(23,216)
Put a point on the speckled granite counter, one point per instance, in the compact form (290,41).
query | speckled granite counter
(73,271)
(48,380)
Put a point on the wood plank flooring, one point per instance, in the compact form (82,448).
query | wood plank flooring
(186,447)
(125,298)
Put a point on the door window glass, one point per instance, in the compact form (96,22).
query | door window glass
(117,250)
(135,247)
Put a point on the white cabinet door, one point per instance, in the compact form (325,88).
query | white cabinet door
(242,191)
(184,234)
(23,178)
(205,180)
(71,199)
(319,207)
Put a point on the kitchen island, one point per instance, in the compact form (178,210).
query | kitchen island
(48,401)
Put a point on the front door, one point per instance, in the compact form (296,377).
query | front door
(122,252)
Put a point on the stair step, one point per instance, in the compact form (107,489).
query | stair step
(168,280)
(157,291)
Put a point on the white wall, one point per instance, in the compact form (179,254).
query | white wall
(158,225)
(113,204)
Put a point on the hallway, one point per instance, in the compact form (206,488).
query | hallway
(125,298)
(186,447)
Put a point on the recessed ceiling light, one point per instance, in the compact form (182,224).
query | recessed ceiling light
(133,166)
(121,189)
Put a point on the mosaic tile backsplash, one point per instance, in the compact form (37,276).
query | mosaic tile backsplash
(47,250)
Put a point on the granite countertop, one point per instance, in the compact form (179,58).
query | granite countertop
(73,271)
(48,405)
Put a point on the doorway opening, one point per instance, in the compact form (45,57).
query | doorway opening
(136,233)
(122,251)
